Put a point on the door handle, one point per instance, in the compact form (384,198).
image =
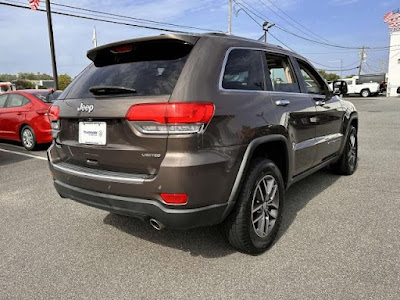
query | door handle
(282,102)
(19,113)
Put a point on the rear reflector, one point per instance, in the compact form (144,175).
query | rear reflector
(175,198)
(172,113)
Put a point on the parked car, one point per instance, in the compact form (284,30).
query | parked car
(375,78)
(6,87)
(23,117)
(362,89)
(185,131)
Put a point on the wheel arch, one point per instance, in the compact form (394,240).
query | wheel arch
(352,120)
(271,147)
(20,130)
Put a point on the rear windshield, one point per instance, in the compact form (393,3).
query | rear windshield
(47,97)
(148,68)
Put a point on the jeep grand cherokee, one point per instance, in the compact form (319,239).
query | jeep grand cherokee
(195,130)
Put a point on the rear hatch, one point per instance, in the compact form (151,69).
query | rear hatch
(94,132)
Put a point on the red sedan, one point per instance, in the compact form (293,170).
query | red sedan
(23,116)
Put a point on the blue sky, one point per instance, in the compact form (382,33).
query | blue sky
(25,47)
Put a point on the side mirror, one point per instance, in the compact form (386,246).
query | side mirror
(339,87)
(398,90)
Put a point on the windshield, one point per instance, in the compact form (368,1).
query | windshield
(142,71)
(47,97)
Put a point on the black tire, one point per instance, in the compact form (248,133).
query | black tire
(28,138)
(348,161)
(365,93)
(240,230)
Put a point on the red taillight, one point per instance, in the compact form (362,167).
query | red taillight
(54,113)
(171,113)
(175,198)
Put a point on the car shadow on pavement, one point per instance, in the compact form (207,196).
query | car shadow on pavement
(8,159)
(210,242)
(302,192)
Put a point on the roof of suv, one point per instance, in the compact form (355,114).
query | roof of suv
(193,38)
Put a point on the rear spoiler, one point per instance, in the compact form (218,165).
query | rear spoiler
(99,54)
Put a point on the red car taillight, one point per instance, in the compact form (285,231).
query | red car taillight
(171,117)
(54,113)
(54,117)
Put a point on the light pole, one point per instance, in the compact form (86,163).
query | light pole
(230,18)
(266,26)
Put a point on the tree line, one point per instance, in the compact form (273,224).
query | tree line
(22,79)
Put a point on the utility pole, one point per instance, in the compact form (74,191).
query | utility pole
(383,66)
(341,68)
(266,27)
(230,18)
(362,57)
(51,38)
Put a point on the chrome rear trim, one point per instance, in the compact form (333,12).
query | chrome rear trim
(101,174)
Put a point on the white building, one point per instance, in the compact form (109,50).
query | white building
(394,64)
(392,19)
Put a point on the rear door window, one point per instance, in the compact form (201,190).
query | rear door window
(3,99)
(15,100)
(243,70)
(281,73)
(147,69)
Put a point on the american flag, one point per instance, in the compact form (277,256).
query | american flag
(34,4)
(392,18)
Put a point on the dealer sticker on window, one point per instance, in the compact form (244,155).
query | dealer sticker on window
(93,133)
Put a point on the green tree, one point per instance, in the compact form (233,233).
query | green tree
(23,84)
(63,81)
(329,76)
(7,77)
(33,76)
(350,76)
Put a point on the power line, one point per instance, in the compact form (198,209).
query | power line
(312,40)
(348,66)
(280,41)
(100,20)
(131,18)
(305,32)
(338,70)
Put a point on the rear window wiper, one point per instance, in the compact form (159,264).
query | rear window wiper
(108,90)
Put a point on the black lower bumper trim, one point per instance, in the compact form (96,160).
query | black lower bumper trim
(145,209)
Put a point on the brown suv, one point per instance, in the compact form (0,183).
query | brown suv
(194,130)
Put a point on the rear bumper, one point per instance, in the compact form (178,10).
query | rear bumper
(145,209)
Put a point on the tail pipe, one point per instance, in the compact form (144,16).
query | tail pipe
(157,225)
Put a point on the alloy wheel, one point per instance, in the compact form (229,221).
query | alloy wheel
(265,205)
(352,155)
(27,138)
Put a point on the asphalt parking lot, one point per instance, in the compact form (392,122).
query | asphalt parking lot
(340,237)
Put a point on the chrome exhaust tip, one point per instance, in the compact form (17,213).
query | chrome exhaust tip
(156,224)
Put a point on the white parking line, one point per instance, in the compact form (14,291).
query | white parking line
(23,154)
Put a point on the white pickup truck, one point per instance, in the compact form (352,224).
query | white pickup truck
(362,89)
